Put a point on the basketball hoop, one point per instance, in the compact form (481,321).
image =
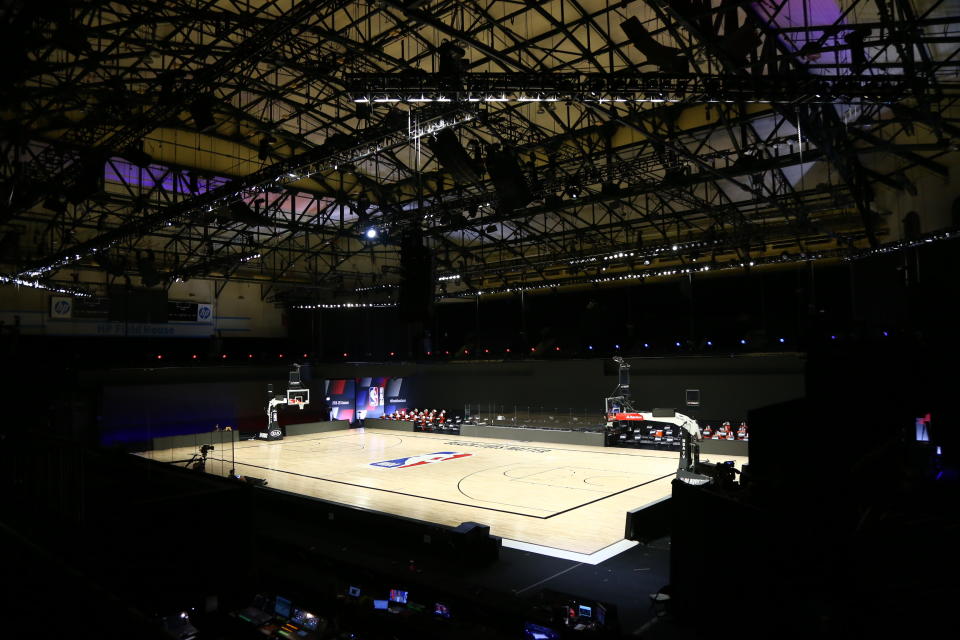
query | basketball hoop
(299,403)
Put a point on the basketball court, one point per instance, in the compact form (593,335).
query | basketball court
(563,500)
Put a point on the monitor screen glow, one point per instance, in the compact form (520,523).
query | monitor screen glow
(381,604)
(282,607)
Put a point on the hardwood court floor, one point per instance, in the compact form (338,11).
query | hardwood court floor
(567,497)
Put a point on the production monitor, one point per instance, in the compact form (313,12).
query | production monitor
(281,607)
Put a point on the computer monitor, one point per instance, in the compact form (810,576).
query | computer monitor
(398,596)
(354,591)
(381,604)
(533,631)
(584,612)
(281,607)
(441,610)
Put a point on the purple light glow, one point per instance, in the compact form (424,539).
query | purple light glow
(157,176)
(795,13)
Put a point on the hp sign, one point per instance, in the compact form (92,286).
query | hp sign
(204,312)
(61,307)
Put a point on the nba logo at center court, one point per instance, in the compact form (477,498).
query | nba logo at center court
(413,461)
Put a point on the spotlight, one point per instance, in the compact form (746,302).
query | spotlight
(371,233)
(392,354)
(743,341)
(194,356)
(616,346)
(345,354)
(782,340)
(491,228)
(709,343)
(572,190)
(249,355)
(508,350)
(224,356)
(159,357)
(677,343)
(280,355)
(590,347)
(646,345)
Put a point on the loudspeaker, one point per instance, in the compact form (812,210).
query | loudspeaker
(911,226)
(201,110)
(88,183)
(665,57)
(415,301)
(453,157)
(504,170)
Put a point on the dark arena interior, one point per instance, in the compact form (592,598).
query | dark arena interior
(401,319)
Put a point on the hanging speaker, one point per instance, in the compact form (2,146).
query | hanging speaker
(415,301)
(453,157)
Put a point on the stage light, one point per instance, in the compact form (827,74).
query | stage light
(280,356)
(677,343)
(533,348)
(616,346)
(833,337)
(446,353)
(486,350)
(224,356)
(743,341)
(194,356)
(159,357)
(249,355)
(429,353)
(885,334)
(491,228)
(646,345)
(508,350)
(466,352)
(709,343)
(782,340)
(371,233)
(345,354)
(392,353)
(304,355)
(590,347)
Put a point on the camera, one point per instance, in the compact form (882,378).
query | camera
(205,449)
